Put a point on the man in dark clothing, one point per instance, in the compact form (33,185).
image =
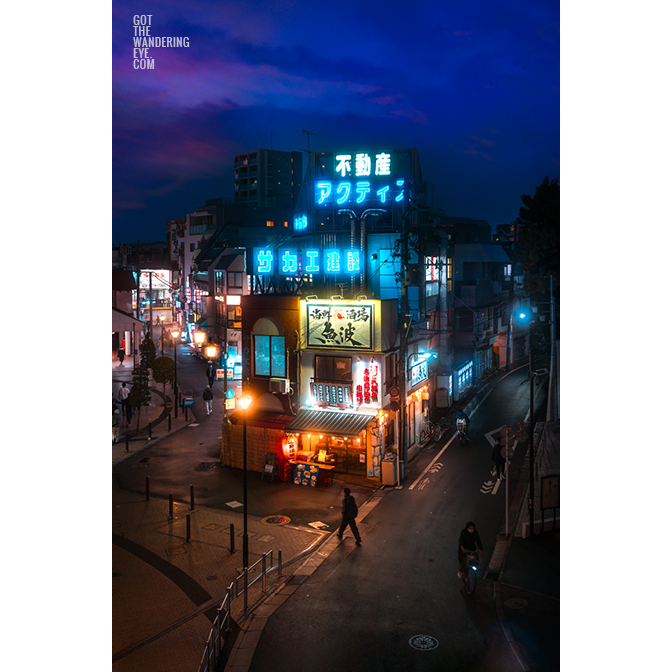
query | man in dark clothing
(349,512)
(470,540)
(497,457)
(212,374)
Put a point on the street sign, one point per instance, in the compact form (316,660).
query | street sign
(507,452)
(220,374)
(507,432)
(394,391)
(230,404)
(521,424)
(394,406)
(508,440)
(230,394)
(521,436)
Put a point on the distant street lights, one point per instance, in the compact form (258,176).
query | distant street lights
(244,403)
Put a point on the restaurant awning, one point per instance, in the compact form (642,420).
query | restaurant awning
(329,422)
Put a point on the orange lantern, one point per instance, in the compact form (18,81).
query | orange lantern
(289,446)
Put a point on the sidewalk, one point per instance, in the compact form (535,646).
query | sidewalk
(158,408)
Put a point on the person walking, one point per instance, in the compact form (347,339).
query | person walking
(125,407)
(207,396)
(470,540)
(212,374)
(121,353)
(498,458)
(349,513)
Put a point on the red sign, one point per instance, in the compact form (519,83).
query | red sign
(394,391)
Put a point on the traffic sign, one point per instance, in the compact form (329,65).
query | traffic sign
(507,452)
(394,391)
(508,440)
(507,432)
(521,436)
(394,405)
(230,394)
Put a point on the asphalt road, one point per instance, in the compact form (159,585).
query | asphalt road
(363,607)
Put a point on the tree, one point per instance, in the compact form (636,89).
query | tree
(147,352)
(140,394)
(538,248)
(163,371)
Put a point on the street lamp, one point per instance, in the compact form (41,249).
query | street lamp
(199,337)
(244,402)
(162,318)
(175,333)
(211,351)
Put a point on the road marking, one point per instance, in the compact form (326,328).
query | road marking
(488,487)
(490,438)
(422,484)
(431,464)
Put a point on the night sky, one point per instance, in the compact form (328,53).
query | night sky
(473,85)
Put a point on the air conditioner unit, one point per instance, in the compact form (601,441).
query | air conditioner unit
(279,385)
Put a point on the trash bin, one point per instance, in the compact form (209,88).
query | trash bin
(389,472)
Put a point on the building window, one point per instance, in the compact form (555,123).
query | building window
(269,356)
(432,275)
(333,368)
(234,280)
(270,223)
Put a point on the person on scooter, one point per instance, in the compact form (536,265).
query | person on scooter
(470,540)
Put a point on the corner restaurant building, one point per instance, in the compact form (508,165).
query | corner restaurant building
(338,372)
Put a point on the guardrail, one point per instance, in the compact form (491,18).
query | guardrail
(221,626)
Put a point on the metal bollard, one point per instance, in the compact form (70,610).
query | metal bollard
(170,506)
(232,532)
(177,403)
(150,431)
(127,439)
(169,422)
(191,493)
(188,528)
(279,563)
(263,572)
(147,488)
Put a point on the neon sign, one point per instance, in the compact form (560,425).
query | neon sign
(290,261)
(344,164)
(358,192)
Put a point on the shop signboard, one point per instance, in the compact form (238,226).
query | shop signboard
(331,394)
(340,325)
(419,372)
(306,474)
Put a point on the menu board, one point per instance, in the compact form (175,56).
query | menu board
(306,474)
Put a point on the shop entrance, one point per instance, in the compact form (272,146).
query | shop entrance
(346,453)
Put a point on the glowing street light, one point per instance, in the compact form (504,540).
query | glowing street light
(244,403)
(175,334)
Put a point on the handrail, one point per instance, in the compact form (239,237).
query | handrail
(222,623)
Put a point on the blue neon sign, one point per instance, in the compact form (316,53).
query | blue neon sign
(357,193)
(293,262)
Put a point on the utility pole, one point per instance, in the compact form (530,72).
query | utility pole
(509,338)
(404,327)
(531,502)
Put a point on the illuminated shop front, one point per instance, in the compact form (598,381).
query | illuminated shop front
(339,423)
(418,398)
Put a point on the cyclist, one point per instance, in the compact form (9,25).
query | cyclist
(470,540)
(461,415)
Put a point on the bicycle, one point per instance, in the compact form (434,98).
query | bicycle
(469,576)
(430,430)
